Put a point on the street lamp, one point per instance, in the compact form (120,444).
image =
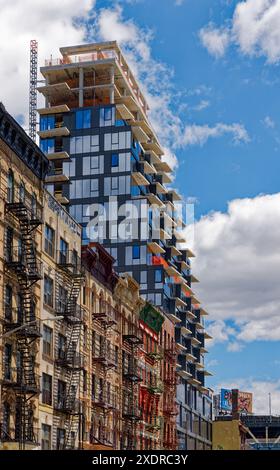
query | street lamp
(31,323)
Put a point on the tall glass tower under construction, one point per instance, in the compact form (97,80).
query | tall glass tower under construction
(108,168)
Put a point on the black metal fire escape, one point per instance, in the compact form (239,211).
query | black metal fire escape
(132,339)
(23,262)
(70,277)
(103,354)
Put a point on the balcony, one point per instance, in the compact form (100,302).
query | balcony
(69,359)
(133,335)
(155,248)
(139,133)
(132,371)
(124,112)
(56,175)
(20,379)
(139,179)
(13,317)
(184,374)
(27,266)
(170,409)
(147,168)
(15,435)
(171,352)
(58,155)
(104,356)
(68,404)
(102,399)
(63,108)
(58,131)
(153,424)
(155,386)
(106,314)
(73,313)
(24,204)
(68,259)
(131,410)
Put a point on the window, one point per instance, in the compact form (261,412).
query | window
(48,291)
(47,122)
(8,301)
(63,251)
(10,194)
(47,340)
(47,389)
(60,438)
(84,144)
(86,188)
(7,361)
(6,419)
(46,437)
(83,119)
(61,392)
(9,243)
(93,165)
(69,168)
(33,205)
(49,240)
(158,275)
(61,346)
(120,162)
(136,252)
(47,145)
(116,185)
(114,159)
(21,192)
(117,141)
(107,116)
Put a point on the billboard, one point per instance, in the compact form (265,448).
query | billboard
(226,400)
(245,402)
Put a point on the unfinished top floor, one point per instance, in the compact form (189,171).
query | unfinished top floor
(92,75)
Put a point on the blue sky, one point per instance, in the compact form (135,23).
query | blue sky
(210,70)
(207,90)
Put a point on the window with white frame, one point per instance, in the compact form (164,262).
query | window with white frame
(93,165)
(80,189)
(84,144)
(120,162)
(116,185)
(117,141)
(107,116)
(69,168)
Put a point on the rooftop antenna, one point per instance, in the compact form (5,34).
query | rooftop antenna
(33,88)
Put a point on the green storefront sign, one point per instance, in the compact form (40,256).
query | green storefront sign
(152,318)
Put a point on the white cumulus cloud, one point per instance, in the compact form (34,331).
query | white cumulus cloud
(199,134)
(52,23)
(240,250)
(215,40)
(260,390)
(254,28)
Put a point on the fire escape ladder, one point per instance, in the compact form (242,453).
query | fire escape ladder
(25,265)
(71,279)
(27,363)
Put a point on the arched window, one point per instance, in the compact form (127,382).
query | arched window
(10,194)
(21,192)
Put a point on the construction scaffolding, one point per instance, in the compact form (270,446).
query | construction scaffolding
(33,88)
